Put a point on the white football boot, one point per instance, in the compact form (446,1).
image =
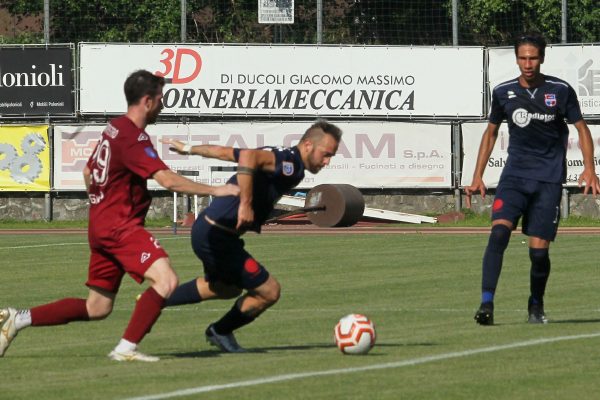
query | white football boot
(132,355)
(8,330)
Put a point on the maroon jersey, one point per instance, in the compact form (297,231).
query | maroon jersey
(121,163)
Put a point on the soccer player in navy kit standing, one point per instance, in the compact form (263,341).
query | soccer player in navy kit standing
(535,107)
(263,175)
(115,177)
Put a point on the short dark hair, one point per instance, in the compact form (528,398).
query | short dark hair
(142,83)
(533,38)
(316,129)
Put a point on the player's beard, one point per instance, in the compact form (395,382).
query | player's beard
(152,116)
(313,166)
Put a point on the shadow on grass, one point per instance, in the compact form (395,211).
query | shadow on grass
(262,350)
(550,321)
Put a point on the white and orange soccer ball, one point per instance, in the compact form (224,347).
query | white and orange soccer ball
(355,334)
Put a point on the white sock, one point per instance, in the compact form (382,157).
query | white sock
(22,319)
(125,346)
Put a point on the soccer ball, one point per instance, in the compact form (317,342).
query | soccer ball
(355,334)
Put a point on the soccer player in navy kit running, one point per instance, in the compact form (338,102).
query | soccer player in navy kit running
(535,107)
(263,175)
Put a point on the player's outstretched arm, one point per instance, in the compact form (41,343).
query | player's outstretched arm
(488,140)
(177,183)
(587,151)
(224,153)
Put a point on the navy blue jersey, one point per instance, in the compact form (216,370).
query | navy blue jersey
(536,126)
(268,187)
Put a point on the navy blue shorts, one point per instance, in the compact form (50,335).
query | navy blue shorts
(224,257)
(537,202)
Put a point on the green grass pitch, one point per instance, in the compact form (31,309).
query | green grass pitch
(420,290)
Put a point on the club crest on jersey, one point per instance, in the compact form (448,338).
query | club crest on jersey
(288,168)
(550,99)
(150,152)
(145,256)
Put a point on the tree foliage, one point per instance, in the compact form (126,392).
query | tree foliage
(496,22)
(393,22)
(584,17)
(106,20)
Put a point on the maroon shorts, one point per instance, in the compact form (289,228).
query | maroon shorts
(134,254)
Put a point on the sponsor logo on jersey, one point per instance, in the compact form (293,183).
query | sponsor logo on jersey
(521,117)
(143,137)
(111,131)
(550,99)
(145,256)
(96,198)
(288,168)
(150,152)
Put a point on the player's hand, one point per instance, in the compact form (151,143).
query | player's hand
(174,144)
(245,216)
(591,181)
(476,186)
(226,190)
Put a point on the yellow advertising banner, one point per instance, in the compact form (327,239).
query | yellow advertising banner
(24,158)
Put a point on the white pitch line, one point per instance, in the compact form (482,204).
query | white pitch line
(397,364)
(32,246)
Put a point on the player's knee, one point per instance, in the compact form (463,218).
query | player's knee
(163,277)
(273,294)
(499,238)
(166,284)
(539,257)
(169,284)
(98,311)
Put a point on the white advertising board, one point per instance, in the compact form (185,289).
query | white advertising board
(371,154)
(471,137)
(290,80)
(578,65)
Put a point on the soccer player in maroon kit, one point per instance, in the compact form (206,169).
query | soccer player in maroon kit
(115,177)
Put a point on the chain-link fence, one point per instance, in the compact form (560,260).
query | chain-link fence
(372,22)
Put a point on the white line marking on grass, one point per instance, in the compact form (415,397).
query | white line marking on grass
(42,245)
(397,364)
(32,246)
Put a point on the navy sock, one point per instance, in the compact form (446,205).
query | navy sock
(540,271)
(231,321)
(492,261)
(186,293)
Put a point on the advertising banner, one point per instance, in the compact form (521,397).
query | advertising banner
(371,154)
(24,158)
(579,65)
(290,80)
(471,136)
(36,81)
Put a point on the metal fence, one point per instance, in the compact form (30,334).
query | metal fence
(347,22)
(387,22)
